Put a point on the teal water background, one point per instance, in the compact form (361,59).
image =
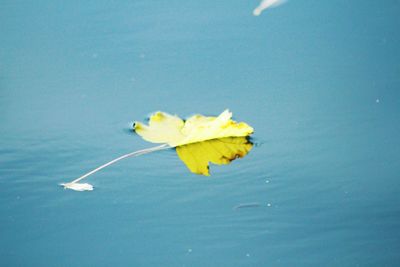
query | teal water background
(318,80)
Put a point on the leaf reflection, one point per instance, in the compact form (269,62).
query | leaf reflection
(197,156)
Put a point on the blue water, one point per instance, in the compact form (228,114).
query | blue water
(318,80)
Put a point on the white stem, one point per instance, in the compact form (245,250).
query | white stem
(132,154)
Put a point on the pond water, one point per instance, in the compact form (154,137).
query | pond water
(318,80)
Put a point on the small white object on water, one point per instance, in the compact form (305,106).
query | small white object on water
(267,4)
(189,250)
(248,255)
(78,186)
(377,100)
(267,181)
(269,205)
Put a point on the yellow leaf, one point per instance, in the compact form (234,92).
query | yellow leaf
(219,151)
(169,129)
(200,139)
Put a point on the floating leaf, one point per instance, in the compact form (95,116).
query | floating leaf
(198,141)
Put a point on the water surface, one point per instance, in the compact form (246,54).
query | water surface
(318,80)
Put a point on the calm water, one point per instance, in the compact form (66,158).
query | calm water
(318,80)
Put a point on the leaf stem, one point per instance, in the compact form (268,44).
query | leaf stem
(132,154)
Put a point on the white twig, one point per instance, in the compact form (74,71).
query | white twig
(267,4)
(71,185)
